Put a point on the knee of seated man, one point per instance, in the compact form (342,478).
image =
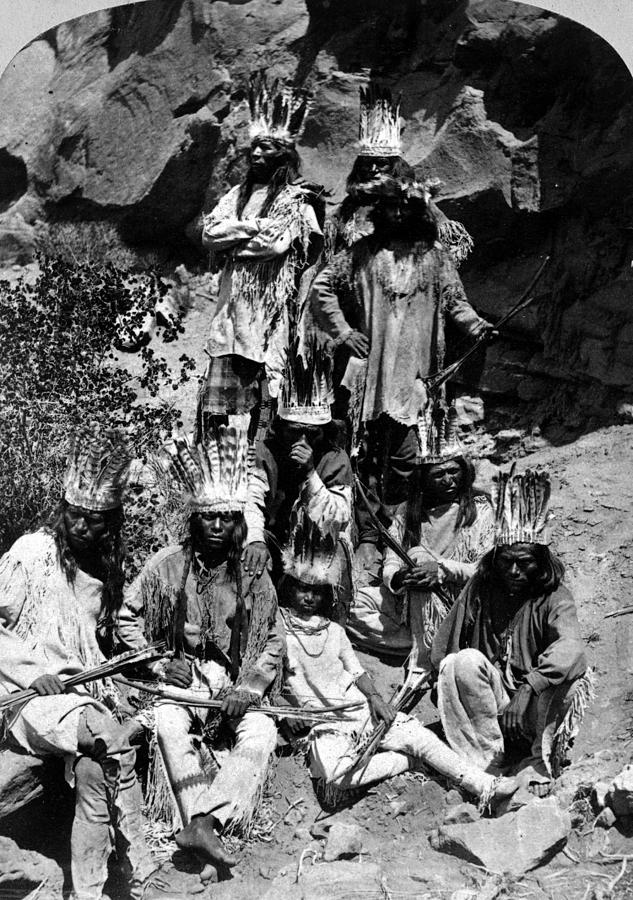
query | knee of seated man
(91,792)
(261,727)
(99,736)
(467,663)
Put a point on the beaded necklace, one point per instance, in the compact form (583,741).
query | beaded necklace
(298,626)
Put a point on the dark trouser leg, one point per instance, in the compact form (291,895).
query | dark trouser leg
(106,745)
(90,844)
(388,459)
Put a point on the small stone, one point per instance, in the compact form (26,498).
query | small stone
(302,834)
(599,794)
(463,812)
(620,794)
(508,436)
(344,840)
(606,819)
(453,798)
(625,412)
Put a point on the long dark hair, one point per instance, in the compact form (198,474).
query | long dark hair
(109,558)
(238,539)
(416,503)
(288,171)
(549,577)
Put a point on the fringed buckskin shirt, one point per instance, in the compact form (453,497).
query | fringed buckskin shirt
(541,645)
(264,258)
(400,298)
(150,603)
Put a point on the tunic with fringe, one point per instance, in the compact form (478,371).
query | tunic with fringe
(148,611)
(264,260)
(181,783)
(48,626)
(541,644)
(396,620)
(400,298)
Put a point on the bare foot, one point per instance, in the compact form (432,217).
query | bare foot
(201,838)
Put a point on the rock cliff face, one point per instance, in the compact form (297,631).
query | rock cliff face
(138,116)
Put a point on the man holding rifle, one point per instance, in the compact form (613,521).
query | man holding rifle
(443,529)
(60,589)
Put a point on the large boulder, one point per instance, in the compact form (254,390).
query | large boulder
(138,115)
(511,845)
(25,872)
(24,778)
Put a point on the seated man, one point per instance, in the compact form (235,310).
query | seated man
(509,654)
(60,588)
(229,645)
(323,669)
(445,530)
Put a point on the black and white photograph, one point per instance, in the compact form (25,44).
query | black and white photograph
(316,433)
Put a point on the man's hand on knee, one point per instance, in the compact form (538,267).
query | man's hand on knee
(48,685)
(514,720)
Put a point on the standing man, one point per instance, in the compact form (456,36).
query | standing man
(224,627)
(380,158)
(264,234)
(387,300)
(509,654)
(60,591)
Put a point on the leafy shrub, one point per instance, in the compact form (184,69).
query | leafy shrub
(59,370)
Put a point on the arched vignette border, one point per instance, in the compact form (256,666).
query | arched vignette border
(27,19)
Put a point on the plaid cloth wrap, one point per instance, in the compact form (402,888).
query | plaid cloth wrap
(232,385)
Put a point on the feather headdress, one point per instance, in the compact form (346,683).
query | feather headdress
(278,110)
(437,433)
(379,125)
(213,475)
(521,504)
(310,556)
(98,469)
(306,393)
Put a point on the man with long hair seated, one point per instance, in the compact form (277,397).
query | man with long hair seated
(444,528)
(509,655)
(60,591)
(222,624)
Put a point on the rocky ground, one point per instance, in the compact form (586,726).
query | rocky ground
(387,830)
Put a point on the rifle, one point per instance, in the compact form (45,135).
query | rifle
(433,382)
(410,692)
(105,670)
(391,541)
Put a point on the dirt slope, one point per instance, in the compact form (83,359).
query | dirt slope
(594,535)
